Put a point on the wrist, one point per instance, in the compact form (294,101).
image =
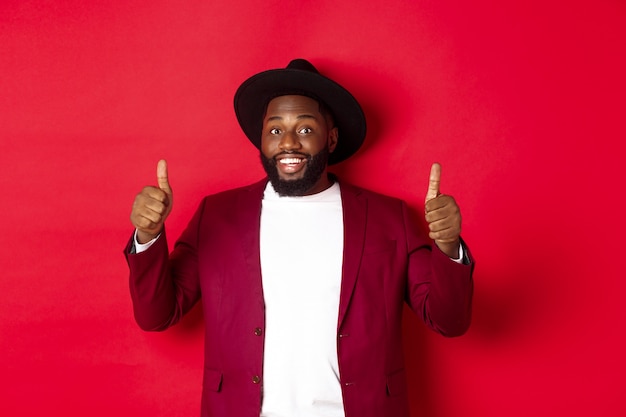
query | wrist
(145,237)
(451,249)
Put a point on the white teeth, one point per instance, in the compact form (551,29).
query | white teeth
(290,161)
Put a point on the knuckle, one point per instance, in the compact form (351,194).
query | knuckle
(147,189)
(141,224)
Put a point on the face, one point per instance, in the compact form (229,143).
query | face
(295,143)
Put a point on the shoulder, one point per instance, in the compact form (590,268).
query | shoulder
(353,191)
(228,202)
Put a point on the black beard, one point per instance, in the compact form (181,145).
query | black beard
(314,169)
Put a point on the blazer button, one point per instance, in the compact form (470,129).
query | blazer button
(256,379)
(258,331)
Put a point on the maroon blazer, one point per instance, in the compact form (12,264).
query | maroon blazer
(387,261)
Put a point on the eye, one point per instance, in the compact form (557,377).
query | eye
(305,130)
(274,131)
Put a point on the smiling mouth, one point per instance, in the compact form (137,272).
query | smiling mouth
(290,161)
(289,164)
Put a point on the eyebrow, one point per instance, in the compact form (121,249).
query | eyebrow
(300,116)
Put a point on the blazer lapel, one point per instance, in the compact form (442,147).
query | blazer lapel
(249,206)
(354,237)
(353,202)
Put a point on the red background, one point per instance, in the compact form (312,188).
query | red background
(522,102)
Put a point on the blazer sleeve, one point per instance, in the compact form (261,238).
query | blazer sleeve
(439,290)
(165,287)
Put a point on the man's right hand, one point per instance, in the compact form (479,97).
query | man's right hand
(152,206)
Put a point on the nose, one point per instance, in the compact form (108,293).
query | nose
(289,141)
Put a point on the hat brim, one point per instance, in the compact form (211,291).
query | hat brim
(253,95)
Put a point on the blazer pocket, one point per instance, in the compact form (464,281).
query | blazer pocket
(379,247)
(212,380)
(396,383)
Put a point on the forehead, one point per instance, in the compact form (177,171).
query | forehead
(292,104)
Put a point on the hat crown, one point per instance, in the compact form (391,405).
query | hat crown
(302,65)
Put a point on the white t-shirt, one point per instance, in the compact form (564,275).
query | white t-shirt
(301,261)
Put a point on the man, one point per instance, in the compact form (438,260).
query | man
(302,277)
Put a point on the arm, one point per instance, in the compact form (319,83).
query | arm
(440,290)
(162,289)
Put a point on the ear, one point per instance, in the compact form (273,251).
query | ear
(333,138)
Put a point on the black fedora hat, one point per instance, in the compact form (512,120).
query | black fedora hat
(301,78)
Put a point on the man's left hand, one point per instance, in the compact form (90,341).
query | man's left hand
(443,216)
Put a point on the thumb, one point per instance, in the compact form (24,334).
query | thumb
(433,182)
(162,179)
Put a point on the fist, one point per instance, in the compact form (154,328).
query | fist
(152,206)
(442,215)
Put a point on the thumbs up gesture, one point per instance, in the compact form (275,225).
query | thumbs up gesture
(443,216)
(152,206)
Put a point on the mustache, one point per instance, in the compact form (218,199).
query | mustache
(291,153)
